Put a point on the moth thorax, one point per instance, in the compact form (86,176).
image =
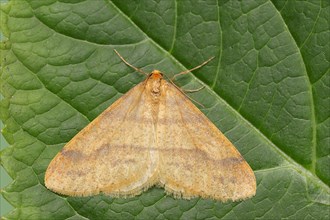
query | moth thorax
(153,85)
(156,88)
(155,91)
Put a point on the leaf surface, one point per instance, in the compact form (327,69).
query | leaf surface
(267,90)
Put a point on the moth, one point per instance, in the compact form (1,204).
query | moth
(152,135)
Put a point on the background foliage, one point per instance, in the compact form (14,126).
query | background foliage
(267,90)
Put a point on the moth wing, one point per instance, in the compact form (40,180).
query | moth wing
(196,159)
(111,154)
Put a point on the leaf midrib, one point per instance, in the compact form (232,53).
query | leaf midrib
(278,150)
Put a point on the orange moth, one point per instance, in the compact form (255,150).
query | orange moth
(152,135)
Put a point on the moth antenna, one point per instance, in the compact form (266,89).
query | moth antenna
(199,66)
(185,93)
(130,65)
(194,90)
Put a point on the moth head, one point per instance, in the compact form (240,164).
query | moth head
(156,74)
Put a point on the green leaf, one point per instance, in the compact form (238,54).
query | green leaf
(267,90)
